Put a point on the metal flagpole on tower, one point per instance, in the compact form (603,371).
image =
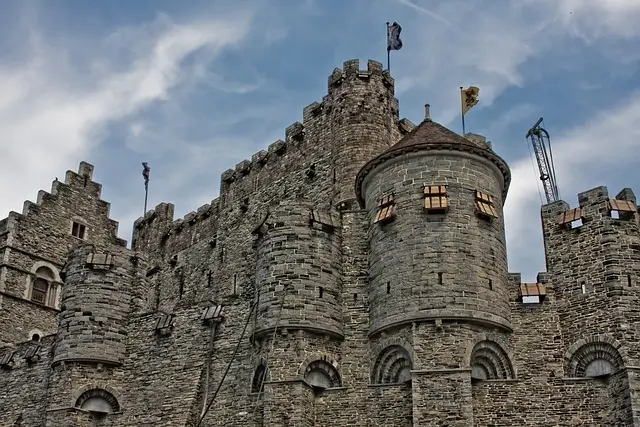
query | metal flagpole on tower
(388,50)
(462,108)
(145,173)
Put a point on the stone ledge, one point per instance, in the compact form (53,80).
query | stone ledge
(405,384)
(471,316)
(86,360)
(332,332)
(20,298)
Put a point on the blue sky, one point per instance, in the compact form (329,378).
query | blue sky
(196,87)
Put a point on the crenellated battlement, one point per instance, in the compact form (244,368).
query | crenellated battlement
(351,73)
(159,223)
(594,206)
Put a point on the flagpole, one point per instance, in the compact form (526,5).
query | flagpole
(145,173)
(146,195)
(462,110)
(388,51)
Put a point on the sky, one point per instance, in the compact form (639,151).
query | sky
(195,87)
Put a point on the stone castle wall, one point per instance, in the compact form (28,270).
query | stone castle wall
(368,334)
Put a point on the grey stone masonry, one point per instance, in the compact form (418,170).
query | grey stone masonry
(351,274)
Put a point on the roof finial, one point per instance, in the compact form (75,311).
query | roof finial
(427,114)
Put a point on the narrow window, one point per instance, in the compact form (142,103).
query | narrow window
(39,290)
(490,284)
(355,297)
(181,290)
(78,230)
(320,291)
(583,287)
(440,278)
(386,209)
(628,280)
(388,287)
(235,284)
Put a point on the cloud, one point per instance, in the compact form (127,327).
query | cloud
(586,156)
(52,110)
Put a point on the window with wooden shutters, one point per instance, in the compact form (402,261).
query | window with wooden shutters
(570,219)
(386,209)
(435,199)
(622,209)
(485,206)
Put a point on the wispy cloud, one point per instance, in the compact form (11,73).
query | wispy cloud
(51,111)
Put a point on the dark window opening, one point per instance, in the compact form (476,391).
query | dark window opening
(320,291)
(355,297)
(490,284)
(78,230)
(35,337)
(388,287)
(628,280)
(440,281)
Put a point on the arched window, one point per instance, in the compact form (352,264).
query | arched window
(42,291)
(594,359)
(392,366)
(98,401)
(322,375)
(490,362)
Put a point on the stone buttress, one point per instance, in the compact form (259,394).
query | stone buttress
(438,297)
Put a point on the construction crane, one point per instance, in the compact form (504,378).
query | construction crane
(542,149)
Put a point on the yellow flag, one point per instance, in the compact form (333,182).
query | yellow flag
(469,98)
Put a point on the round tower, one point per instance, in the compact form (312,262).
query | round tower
(362,114)
(298,259)
(101,290)
(437,241)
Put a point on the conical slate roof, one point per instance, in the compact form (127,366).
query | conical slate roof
(428,136)
(430,132)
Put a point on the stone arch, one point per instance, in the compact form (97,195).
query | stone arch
(99,390)
(98,400)
(593,357)
(489,361)
(393,365)
(35,335)
(321,372)
(260,375)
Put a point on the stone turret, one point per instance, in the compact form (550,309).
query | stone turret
(438,264)
(363,112)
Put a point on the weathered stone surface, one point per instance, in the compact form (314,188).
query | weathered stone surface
(410,322)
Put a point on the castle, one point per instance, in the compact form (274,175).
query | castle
(353,274)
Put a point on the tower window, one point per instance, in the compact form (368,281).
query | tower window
(386,209)
(320,291)
(440,279)
(78,230)
(388,287)
(435,199)
(490,284)
(485,206)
